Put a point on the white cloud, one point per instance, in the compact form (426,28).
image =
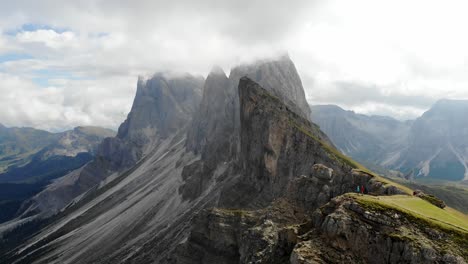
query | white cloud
(48,37)
(392,57)
(65,104)
(406,54)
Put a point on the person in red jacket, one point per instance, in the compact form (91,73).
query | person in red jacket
(362,189)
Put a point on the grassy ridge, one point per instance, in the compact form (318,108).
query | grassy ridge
(447,219)
(454,195)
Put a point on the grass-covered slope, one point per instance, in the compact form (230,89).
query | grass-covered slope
(447,218)
(454,195)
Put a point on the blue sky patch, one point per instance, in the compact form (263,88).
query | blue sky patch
(34,27)
(14,57)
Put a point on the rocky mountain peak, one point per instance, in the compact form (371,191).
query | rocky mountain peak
(217,119)
(280,77)
(162,104)
(449,110)
(213,123)
(217,70)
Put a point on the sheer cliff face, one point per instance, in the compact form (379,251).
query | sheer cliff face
(215,129)
(277,145)
(214,121)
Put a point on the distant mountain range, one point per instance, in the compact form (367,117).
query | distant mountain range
(434,146)
(31,159)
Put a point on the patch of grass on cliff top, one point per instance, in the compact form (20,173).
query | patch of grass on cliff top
(350,162)
(447,218)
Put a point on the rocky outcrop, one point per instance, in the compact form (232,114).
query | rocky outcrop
(242,236)
(342,231)
(347,230)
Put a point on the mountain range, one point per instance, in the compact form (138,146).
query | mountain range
(32,158)
(228,169)
(434,146)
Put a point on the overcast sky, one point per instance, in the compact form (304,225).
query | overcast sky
(69,63)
